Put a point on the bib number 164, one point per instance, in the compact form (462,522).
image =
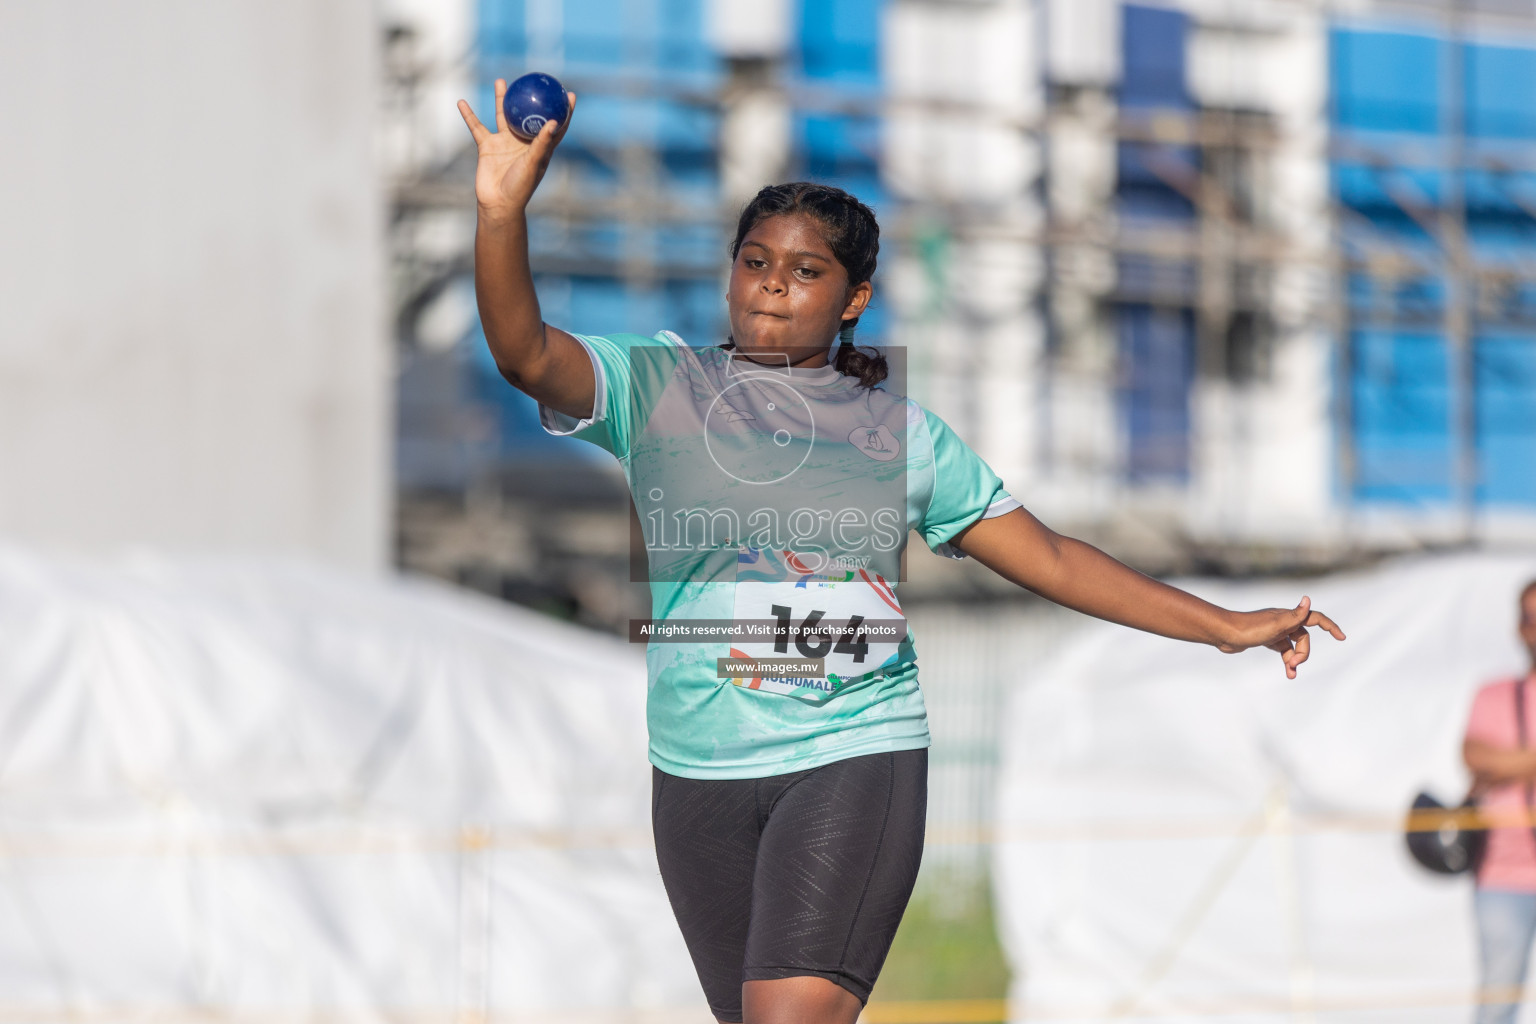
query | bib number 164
(812,640)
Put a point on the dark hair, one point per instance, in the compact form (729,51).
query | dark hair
(850,230)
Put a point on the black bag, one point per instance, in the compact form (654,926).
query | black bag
(1446,840)
(1451,840)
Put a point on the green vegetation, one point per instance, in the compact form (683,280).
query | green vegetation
(947,948)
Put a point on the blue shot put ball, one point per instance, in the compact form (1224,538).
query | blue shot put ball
(531,101)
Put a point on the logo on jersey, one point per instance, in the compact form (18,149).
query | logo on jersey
(876,442)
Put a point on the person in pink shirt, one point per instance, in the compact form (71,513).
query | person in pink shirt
(1500,750)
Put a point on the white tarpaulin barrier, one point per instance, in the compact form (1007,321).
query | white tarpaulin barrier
(1188,836)
(243,791)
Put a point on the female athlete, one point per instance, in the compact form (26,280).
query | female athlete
(776,483)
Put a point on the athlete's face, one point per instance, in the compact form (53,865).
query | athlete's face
(789,294)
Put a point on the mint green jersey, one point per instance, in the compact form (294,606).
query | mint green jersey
(779,496)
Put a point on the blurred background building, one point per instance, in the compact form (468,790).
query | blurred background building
(1223,285)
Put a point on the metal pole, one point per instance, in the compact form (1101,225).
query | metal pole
(1458,304)
(1340,322)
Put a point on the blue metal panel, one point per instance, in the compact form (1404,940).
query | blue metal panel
(1388,86)
(605,36)
(840,41)
(1506,419)
(1386,81)
(1415,298)
(844,151)
(840,45)
(1500,91)
(499,29)
(1402,431)
(1403,438)
(1157,366)
(1153,47)
(1153,53)
(698,311)
(1157,345)
(1502,231)
(597,34)
(1500,105)
(1372,189)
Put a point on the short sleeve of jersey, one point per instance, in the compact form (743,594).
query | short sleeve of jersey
(624,367)
(964,489)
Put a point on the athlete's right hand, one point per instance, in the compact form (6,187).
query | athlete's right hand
(509,169)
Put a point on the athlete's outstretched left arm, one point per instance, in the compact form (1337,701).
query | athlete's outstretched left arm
(1023,550)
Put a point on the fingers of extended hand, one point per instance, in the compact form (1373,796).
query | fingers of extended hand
(1284,647)
(501,110)
(1303,641)
(1319,619)
(1288,656)
(476,129)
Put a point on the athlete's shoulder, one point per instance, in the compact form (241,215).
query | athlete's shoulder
(625,340)
(921,417)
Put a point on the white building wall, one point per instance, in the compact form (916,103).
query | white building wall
(1082,39)
(755,121)
(428,128)
(964,80)
(1263,451)
(1083,453)
(192,345)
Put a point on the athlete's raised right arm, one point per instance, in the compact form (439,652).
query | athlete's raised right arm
(543,361)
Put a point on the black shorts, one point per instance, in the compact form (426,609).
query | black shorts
(792,875)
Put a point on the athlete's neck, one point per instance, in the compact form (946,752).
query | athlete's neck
(813,360)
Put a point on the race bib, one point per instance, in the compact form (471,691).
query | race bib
(844,621)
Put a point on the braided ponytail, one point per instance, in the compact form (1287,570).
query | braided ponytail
(866,364)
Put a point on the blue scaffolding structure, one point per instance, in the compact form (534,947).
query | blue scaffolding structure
(1433,171)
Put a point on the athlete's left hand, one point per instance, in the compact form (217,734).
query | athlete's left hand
(1282,630)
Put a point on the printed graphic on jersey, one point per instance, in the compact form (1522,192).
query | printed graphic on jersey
(876,442)
(759,430)
(732,453)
